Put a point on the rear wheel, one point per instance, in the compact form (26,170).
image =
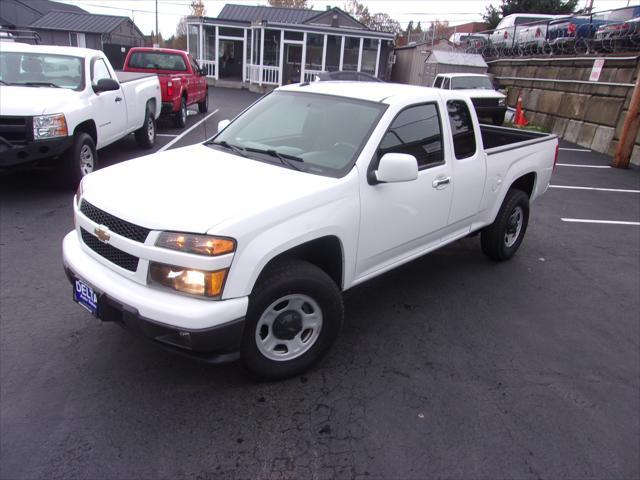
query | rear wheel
(146,135)
(180,117)
(503,237)
(80,160)
(203,107)
(295,313)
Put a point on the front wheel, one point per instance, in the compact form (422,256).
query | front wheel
(295,313)
(146,135)
(80,160)
(503,237)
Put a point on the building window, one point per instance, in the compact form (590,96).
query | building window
(299,36)
(369,55)
(230,32)
(315,44)
(77,40)
(334,45)
(351,53)
(194,39)
(272,47)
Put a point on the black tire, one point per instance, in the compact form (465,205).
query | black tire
(498,119)
(180,117)
(203,107)
(79,160)
(146,134)
(495,243)
(290,278)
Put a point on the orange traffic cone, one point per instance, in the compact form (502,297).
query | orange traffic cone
(520,120)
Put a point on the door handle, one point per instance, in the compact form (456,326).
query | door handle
(118,99)
(438,182)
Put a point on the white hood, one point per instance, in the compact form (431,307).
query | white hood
(194,188)
(481,93)
(28,101)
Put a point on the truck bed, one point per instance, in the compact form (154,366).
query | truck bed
(494,137)
(124,77)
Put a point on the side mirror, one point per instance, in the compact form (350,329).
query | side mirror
(106,85)
(222,124)
(396,167)
(204,72)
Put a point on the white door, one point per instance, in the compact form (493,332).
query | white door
(401,219)
(110,110)
(468,165)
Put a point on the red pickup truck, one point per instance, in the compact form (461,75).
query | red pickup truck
(182,81)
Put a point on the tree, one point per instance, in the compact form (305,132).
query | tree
(382,22)
(289,3)
(197,8)
(418,28)
(508,7)
(438,29)
(359,11)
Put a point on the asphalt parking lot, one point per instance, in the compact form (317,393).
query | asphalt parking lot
(449,367)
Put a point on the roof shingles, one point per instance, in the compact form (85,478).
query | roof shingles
(250,13)
(78,22)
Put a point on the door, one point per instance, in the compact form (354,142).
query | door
(292,68)
(400,219)
(469,164)
(109,108)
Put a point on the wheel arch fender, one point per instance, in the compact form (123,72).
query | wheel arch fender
(88,127)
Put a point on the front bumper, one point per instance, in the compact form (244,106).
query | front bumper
(205,329)
(12,155)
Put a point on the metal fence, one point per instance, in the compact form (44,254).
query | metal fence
(594,33)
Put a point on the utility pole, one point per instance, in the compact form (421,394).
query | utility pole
(629,130)
(157,32)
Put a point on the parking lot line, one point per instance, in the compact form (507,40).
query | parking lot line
(608,222)
(163,148)
(619,190)
(581,166)
(574,149)
(165,135)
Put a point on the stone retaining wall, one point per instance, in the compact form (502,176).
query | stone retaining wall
(590,115)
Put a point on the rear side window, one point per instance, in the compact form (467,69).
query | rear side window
(157,61)
(416,131)
(445,84)
(438,82)
(464,138)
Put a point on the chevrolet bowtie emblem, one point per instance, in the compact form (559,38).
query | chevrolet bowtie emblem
(102,233)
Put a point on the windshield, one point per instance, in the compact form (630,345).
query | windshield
(41,70)
(467,83)
(157,61)
(310,132)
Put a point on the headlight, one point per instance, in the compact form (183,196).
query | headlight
(186,280)
(198,244)
(502,102)
(49,126)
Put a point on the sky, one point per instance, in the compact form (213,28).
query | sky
(169,11)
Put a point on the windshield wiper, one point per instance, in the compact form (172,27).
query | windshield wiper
(284,158)
(39,84)
(239,150)
(2,82)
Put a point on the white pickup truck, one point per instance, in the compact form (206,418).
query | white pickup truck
(62,104)
(243,244)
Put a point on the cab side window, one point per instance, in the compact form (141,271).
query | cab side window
(100,71)
(445,84)
(464,138)
(415,131)
(438,82)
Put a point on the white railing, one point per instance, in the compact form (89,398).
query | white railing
(210,65)
(264,75)
(310,75)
